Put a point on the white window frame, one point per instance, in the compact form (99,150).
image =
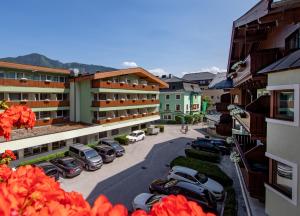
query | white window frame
(296,88)
(166,106)
(179,108)
(166,97)
(179,96)
(295,179)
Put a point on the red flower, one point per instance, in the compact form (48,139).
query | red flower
(9,154)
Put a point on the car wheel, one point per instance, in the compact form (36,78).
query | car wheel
(64,174)
(86,167)
(143,138)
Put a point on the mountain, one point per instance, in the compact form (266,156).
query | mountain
(41,60)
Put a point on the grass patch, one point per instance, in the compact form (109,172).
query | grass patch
(123,140)
(210,169)
(44,158)
(203,155)
(230,203)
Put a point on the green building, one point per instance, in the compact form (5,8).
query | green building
(181,98)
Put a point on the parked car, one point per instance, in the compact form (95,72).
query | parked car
(120,150)
(191,191)
(88,157)
(210,145)
(107,153)
(49,169)
(145,201)
(193,176)
(136,136)
(67,166)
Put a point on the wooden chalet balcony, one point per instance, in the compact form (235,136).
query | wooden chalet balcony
(111,85)
(252,117)
(33,83)
(41,122)
(222,107)
(123,118)
(253,165)
(224,129)
(36,104)
(114,103)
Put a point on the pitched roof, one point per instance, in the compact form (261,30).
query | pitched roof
(26,67)
(291,61)
(198,76)
(220,82)
(172,79)
(191,87)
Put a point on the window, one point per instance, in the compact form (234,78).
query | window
(177,108)
(36,77)
(292,42)
(10,75)
(45,114)
(167,107)
(167,97)
(102,134)
(102,97)
(59,113)
(284,105)
(37,115)
(49,78)
(102,115)
(14,96)
(25,96)
(1,96)
(283,177)
(58,145)
(1,74)
(187,107)
(114,132)
(134,128)
(59,97)
(177,97)
(44,96)
(43,77)
(55,79)
(167,117)
(62,79)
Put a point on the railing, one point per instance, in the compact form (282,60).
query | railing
(224,129)
(112,85)
(34,104)
(114,103)
(41,122)
(118,119)
(32,83)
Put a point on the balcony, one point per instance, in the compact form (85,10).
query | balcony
(115,103)
(224,129)
(123,85)
(50,121)
(222,107)
(37,104)
(32,83)
(123,118)
(253,165)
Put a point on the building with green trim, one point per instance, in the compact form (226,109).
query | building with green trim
(181,98)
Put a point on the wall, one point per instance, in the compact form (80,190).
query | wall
(85,101)
(172,101)
(216,93)
(283,141)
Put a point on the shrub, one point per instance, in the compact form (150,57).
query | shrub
(171,122)
(179,119)
(210,169)
(203,155)
(197,118)
(123,140)
(161,128)
(188,119)
(230,203)
(44,158)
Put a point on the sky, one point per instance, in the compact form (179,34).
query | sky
(162,36)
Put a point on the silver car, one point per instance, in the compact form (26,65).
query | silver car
(145,201)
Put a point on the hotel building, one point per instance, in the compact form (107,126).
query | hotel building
(72,107)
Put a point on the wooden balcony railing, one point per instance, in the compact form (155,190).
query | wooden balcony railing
(41,122)
(33,83)
(103,84)
(114,103)
(222,107)
(119,119)
(35,104)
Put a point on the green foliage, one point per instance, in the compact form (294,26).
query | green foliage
(230,203)
(171,122)
(197,118)
(210,169)
(203,155)
(179,119)
(123,140)
(44,158)
(208,101)
(161,128)
(92,145)
(188,119)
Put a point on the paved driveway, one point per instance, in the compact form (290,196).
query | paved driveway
(131,174)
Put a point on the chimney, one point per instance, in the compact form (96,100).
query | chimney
(164,76)
(170,76)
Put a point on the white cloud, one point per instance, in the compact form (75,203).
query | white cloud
(213,69)
(158,71)
(129,64)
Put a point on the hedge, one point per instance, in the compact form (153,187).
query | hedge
(44,158)
(210,169)
(203,155)
(161,128)
(230,203)
(123,140)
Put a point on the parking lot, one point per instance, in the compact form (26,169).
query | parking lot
(131,174)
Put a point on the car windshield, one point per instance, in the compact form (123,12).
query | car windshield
(201,178)
(153,199)
(70,163)
(133,134)
(91,154)
(114,144)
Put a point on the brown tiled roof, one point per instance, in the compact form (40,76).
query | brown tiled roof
(11,65)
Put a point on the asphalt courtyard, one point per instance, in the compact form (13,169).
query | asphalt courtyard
(131,174)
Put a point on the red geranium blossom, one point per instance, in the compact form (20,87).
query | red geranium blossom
(9,154)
